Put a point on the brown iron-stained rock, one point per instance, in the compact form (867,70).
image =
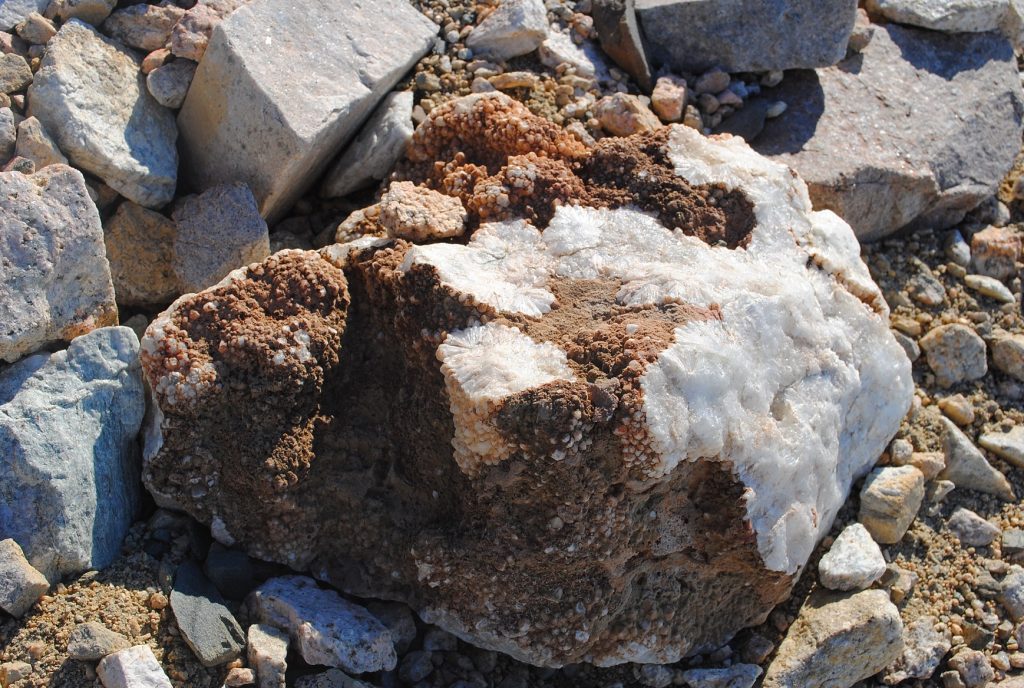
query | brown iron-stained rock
(609,427)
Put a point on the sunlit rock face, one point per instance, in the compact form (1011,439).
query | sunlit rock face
(610,426)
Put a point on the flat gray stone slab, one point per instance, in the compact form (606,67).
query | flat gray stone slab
(745,35)
(915,130)
(278,92)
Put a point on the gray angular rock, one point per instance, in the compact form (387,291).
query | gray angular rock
(619,33)
(36,145)
(146,27)
(1008,353)
(326,628)
(1008,446)
(90,11)
(205,622)
(971,529)
(916,130)
(135,667)
(92,641)
(244,93)
(515,27)
(217,231)
(21,585)
(169,84)
(838,640)
(735,676)
(268,655)
(853,562)
(923,649)
(1012,593)
(951,16)
(8,134)
(55,282)
(68,423)
(14,11)
(955,354)
(91,96)
(373,153)
(968,468)
(15,73)
(746,35)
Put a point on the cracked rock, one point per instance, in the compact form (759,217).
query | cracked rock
(575,362)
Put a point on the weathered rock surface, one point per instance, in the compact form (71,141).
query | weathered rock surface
(955,354)
(916,130)
(924,646)
(1009,445)
(619,32)
(838,640)
(514,28)
(971,529)
(68,423)
(746,35)
(91,96)
(13,12)
(590,439)
(268,653)
(146,27)
(889,501)
(205,622)
(952,16)
(135,667)
(140,250)
(54,281)
(169,84)
(36,145)
(327,629)
(375,151)
(853,562)
(90,11)
(92,641)
(968,468)
(244,93)
(217,231)
(21,585)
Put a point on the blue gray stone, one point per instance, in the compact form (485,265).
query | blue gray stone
(746,35)
(206,624)
(69,461)
(91,96)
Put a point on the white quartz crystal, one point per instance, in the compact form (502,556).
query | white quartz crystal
(797,387)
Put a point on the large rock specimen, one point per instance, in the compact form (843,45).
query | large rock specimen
(54,277)
(746,35)
(69,475)
(609,428)
(278,93)
(90,95)
(916,130)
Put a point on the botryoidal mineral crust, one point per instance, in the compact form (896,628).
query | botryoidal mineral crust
(608,425)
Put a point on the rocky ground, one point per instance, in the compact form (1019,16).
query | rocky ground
(920,580)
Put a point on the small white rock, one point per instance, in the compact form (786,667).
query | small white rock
(135,667)
(854,561)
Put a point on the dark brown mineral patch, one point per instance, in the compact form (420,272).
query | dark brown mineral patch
(504,162)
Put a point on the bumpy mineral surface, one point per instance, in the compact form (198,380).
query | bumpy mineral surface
(608,424)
